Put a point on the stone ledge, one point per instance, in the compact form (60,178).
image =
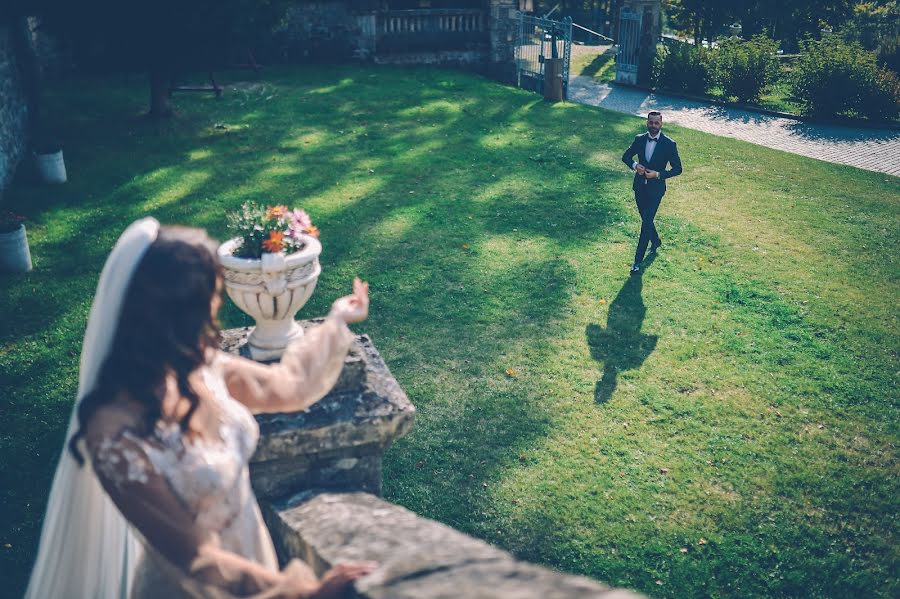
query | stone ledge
(337,443)
(419,558)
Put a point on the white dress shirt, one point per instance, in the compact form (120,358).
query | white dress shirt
(648,149)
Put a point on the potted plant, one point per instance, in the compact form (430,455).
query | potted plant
(271,269)
(14,253)
(48,160)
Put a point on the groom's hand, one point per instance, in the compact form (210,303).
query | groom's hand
(651,174)
(640,169)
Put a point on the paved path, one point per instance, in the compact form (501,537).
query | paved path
(870,149)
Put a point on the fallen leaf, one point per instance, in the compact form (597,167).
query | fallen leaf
(723,460)
(683,549)
(821,426)
(511,372)
(603,301)
(465,246)
(664,470)
(484,485)
(659,582)
(522,457)
(702,541)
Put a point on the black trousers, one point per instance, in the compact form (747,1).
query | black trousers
(647,205)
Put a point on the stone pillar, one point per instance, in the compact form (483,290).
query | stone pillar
(650,12)
(503,17)
(338,443)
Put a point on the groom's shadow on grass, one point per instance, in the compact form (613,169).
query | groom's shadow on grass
(621,345)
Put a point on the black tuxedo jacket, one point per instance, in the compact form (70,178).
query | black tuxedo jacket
(666,153)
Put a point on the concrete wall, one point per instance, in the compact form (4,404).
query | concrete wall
(13,109)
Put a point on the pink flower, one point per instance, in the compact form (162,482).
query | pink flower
(299,223)
(301,218)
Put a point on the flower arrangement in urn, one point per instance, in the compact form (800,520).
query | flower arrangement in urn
(270,230)
(271,269)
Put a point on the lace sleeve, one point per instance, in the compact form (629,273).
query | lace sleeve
(307,371)
(200,566)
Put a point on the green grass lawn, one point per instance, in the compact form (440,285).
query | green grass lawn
(600,65)
(724,426)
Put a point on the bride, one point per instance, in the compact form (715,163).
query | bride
(152,496)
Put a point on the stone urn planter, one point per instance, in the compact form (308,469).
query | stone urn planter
(49,163)
(14,253)
(271,290)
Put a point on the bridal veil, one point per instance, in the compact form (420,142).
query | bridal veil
(87,550)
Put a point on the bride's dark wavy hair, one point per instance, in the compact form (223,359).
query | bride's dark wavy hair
(165,326)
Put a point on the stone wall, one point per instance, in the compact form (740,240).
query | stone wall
(13,109)
(322,31)
(341,30)
(317,475)
(418,558)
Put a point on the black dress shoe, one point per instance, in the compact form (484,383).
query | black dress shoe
(636,269)
(653,248)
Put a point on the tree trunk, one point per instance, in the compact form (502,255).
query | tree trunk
(160,107)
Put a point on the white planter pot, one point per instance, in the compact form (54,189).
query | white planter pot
(271,290)
(51,167)
(14,253)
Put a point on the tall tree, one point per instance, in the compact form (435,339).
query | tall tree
(159,37)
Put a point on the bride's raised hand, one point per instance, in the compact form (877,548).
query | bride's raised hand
(354,307)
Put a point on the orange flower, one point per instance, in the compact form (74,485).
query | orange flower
(313,230)
(274,243)
(276,211)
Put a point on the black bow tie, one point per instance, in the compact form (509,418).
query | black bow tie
(649,139)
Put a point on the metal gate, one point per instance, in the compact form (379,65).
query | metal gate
(628,57)
(539,39)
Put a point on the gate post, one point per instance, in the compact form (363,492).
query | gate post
(553,81)
(504,20)
(640,25)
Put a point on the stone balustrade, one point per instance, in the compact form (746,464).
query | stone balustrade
(317,475)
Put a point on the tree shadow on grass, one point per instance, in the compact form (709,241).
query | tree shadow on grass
(482,288)
(621,345)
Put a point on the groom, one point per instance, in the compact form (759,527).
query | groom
(654,151)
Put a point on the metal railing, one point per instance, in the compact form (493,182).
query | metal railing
(600,36)
(537,40)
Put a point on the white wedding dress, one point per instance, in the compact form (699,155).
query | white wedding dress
(209,479)
(181,492)
(160,513)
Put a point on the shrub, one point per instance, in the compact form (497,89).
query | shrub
(834,77)
(682,67)
(745,69)
(881,97)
